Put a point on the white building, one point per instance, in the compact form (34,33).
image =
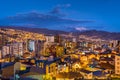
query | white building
(114,42)
(17,48)
(50,38)
(20,48)
(5,50)
(31,45)
(74,39)
(117,64)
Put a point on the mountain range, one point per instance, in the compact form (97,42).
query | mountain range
(99,34)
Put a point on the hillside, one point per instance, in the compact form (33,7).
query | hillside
(98,34)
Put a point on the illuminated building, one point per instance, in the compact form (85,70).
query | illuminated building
(25,46)
(87,74)
(47,67)
(20,49)
(39,46)
(3,40)
(59,51)
(49,38)
(0,54)
(117,64)
(58,39)
(31,45)
(114,43)
(62,67)
(17,48)
(70,44)
(74,39)
(5,51)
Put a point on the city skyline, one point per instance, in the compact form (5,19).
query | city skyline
(59,40)
(67,15)
(37,56)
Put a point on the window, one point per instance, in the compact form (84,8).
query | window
(118,71)
(117,58)
(117,67)
(118,63)
(41,65)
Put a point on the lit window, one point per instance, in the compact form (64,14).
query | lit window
(118,63)
(118,71)
(117,58)
(118,67)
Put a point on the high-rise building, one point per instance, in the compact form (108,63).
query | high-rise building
(25,46)
(39,45)
(11,49)
(31,45)
(117,64)
(17,48)
(114,43)
(5,50)
(0,54)
(20,48)
(50,38)
(57,39)
(3,40)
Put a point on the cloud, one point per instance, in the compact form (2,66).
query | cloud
(57,10)
(53,20)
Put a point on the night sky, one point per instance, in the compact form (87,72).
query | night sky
(67,15)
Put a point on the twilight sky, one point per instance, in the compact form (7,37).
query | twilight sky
(65,15)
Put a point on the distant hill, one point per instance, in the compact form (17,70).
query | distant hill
(99,34)
(102,34)
(36,30)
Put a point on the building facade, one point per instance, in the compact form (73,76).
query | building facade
(117,64)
